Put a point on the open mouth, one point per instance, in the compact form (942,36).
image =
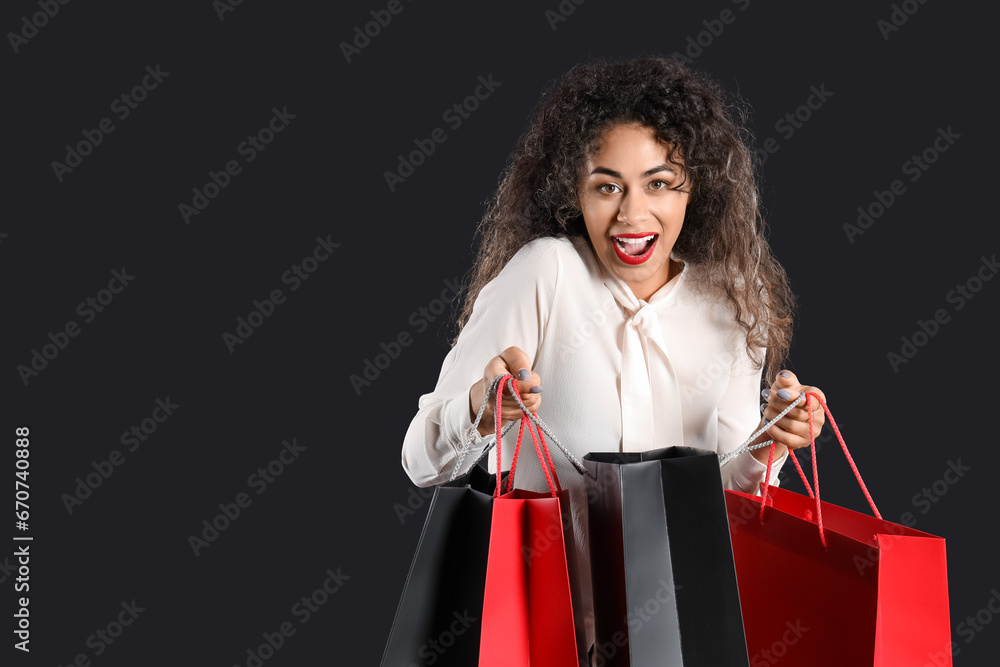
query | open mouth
(634,248)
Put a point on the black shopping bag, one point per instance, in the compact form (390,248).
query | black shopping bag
(438,618)
(665,590)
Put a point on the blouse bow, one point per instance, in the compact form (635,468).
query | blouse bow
(650,392)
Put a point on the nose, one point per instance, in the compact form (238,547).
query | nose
(634,208)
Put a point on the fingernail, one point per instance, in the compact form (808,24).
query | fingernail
(765,393)
(763,406)
(784,395)
(523,374)
(784,374)
(536,390)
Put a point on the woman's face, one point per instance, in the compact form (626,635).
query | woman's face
(632,213)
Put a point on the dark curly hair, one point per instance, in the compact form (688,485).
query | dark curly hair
(723,228)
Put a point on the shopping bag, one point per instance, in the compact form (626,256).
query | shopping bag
(443,596)
(665,590)
(823,585)
(438,617)
(528,605)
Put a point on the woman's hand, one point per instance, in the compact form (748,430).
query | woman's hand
(515,361)
(792,430)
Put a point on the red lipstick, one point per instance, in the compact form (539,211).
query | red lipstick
(645,251)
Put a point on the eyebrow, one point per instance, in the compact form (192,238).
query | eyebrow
(648,172)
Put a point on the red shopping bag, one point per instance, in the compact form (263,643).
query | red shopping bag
(824,585)
(527,604)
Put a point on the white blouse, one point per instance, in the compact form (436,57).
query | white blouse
(619,374)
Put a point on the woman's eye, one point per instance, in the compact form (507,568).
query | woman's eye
(660,184)
(607,188)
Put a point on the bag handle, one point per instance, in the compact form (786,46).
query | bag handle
(809,396)
(467,445)
(539,424)
(548,467)
(747,447)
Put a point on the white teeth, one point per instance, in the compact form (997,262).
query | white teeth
(644,239)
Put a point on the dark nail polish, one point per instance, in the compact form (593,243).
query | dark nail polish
(765,393)
(536,390)
(784,374)
(784,395)
(523,374)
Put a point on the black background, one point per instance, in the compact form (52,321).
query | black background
(323,176)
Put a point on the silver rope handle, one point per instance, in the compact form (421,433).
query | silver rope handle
(538,422)
(746,447)
(493,388)
(467,445)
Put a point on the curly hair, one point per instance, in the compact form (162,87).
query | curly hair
(723,228)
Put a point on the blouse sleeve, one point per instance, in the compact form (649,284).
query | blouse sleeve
(740,417)
(510,310)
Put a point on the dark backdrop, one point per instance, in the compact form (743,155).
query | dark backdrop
(218,74)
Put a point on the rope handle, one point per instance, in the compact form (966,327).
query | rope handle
(746,446)
(539,424)
(467,445)
(548,467)
(814,492)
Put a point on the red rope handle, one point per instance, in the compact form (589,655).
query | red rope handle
(802,475)
(767,475)
(544,456)
(553,485)
(549,477)
(513,463)
(548,454)
(850,459)
(812,448)
(496,425)
(814,491)
(767,481)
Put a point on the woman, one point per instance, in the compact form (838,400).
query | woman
(623,261)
